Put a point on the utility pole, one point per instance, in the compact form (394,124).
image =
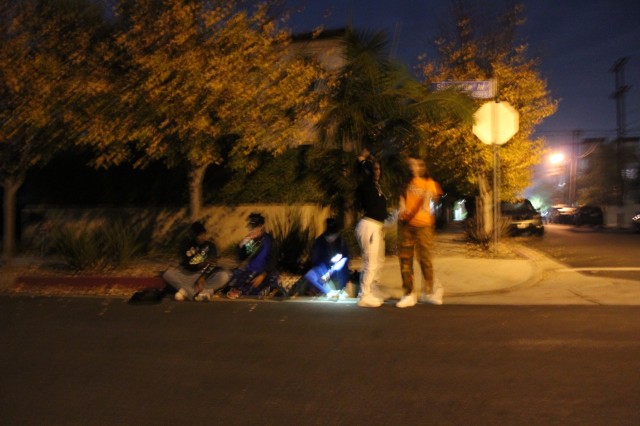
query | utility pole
(618,95)
(573,167)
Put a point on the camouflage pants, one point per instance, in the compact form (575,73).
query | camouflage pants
(412,239)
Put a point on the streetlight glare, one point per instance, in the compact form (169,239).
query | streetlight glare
(556,158)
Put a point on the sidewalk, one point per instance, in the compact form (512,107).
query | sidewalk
(536,279)
(529,278)
(524,277)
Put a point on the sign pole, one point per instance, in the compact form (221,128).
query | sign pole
(496,183)
(495,123)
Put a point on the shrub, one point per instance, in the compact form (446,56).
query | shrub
(477,235)
(109,246)
(121,243)
(293,241)
(81,250)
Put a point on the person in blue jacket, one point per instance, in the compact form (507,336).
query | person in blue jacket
(257,274)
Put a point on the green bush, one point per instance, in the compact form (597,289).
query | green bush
(81,250)
(121,243)
(110,246)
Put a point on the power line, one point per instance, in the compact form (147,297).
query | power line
(562,131)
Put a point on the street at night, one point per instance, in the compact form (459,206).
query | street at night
(334,212)
(595,251)
(101,361)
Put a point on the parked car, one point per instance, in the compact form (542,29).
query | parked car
(524,218)
(588,215)
(636,222)
(561,214)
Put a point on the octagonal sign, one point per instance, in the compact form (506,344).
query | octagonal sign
(495,122)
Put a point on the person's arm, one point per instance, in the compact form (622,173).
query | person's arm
(364,154)
(268,257)
(209,267)
(243,252)
(402,208)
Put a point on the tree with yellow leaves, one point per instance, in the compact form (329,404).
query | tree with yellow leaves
(479,49)
(204,82)
(44,47)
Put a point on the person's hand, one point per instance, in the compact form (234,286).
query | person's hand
(199,284)
(364,154)
(258,280)
(253,234)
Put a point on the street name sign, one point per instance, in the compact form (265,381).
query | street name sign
(480,89)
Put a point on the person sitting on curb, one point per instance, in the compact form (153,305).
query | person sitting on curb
(198,276)
(329,273)
(257,275)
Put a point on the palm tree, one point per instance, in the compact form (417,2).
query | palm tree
(375,103)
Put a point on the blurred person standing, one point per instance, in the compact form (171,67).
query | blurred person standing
(416,223)
(370,228)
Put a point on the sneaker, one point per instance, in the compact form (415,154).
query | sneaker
(181,295)
(332,295)
(369,301)
(407,301)
(204,296)
(435,298)
(343,295)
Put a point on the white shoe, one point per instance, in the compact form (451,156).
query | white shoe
(435,298)
(369,301)
(407,301)
(180,295)
(331,295)
(204,296)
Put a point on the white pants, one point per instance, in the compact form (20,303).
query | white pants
(370,236)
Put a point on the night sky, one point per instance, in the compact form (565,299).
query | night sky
(578,42)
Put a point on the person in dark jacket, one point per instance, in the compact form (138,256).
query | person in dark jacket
(329,273)
(371,200)
(198,276)
(257,274)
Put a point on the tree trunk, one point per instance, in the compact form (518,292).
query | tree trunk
(11,185)
(484,209)
(196,177)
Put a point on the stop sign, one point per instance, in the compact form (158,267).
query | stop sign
(495,122)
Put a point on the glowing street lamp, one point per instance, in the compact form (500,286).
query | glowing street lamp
(556,158)
(563,165)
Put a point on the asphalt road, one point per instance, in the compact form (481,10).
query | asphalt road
(85,361)
(594,251)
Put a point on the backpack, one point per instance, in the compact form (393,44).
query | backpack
(148,296)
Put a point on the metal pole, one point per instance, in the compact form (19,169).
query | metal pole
(496,198)
(496,181)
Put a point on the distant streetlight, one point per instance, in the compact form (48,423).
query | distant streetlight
(565,165)
(556,158)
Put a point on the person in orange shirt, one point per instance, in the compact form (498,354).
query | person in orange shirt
(416,223)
